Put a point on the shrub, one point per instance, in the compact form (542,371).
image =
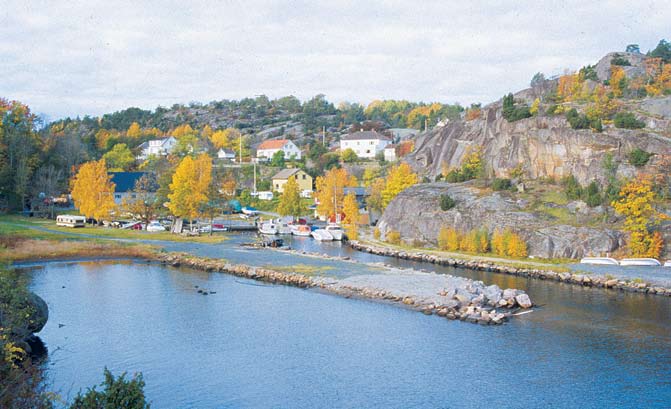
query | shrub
(448,239)
(619,60)
(572,188)
(117,393)
(349,156)
(499,243)
(501,184)
(446,202)
(593,198)
(376,233)
(394,237)
(517,247)
(588,72)
(514,113)
(482,239)
(455,176)
(581,121)
(627,120)
(638,157)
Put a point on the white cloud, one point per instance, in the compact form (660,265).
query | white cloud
(77,58)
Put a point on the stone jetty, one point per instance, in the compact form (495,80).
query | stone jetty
(454,298)
(590,280)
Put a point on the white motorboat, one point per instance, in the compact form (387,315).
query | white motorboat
(322,235)
(606,261)
(335,230)
(667,263)
(650,262)
(283,228)
(268,228)
(301,230)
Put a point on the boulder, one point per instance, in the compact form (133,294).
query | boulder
(523,301)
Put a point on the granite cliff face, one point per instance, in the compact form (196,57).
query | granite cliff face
(545,146)
(417,215)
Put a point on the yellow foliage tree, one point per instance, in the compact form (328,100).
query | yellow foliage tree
(190,185)
(369,176)
(93,190)
(183,130)
(636,203)
(206,132)
(499,244)
(569,87)
(351,210)
(290,200)
(535,106)
(134,131)
(617,80)
(330,191)
(661,81)
(469,242)
(399,178)
(602,105)
(516,246)
(449,239)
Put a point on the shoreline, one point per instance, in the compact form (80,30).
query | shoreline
(586,280)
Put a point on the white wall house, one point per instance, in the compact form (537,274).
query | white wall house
(158,147)
(226,154)
(390,153)
(268,148)
(366,144)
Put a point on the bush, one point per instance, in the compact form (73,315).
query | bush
(448,239)
(501,184)
(639,157)
(593,198)
(572,188)
(117,393)
(349,156)
(376,233)
(446,202)
(455,176)
(627,120)
(588,72)
(578,121)
(514,113)
(394,237)
(619,60)
(507,243)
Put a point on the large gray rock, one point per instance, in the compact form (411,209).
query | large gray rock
(35,321)
(416,214)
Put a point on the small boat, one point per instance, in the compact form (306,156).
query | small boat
(283,228)
(667,263)
(268,228)
(249,211)
(650,262)
(608,261)
(301,230)
(322,235)
(335,230)
(272,242)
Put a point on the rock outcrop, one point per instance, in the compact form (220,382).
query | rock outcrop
(545,146)
(417,215)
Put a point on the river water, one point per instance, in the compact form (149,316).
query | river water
(257,345)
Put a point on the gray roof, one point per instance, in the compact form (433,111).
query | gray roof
(357,136)
(286,173)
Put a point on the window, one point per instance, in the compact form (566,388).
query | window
(303,177)
(372,142)
(117,196)
(368,151)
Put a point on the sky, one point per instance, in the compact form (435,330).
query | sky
(76,58)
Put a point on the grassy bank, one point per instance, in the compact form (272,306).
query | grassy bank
(46,229)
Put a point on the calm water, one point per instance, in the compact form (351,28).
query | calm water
(252,345)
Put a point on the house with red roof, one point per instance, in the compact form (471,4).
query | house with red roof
(268,148)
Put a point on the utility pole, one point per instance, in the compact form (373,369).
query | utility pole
(240,149)
(254,175)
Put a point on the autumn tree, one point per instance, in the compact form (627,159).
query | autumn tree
(190,185)
(290,201)
(119,158)
(369,176)
(330,191)
(142,203)
(618,80)
(636,203)
(183,130)
(375,201)
(93,190)
(134,131)
(399,178)
(206,132)
(351,210)
(225,138)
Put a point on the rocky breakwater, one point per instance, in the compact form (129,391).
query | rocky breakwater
(588,280)
(416,214)
(430,293)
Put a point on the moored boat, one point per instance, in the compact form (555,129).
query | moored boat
(667,263)
(268,228)
(322,235)
(301,230)
(650,262)
(608,261)
(335,230)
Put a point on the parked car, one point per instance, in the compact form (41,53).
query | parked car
(155,226)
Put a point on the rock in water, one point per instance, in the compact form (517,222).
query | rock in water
(523,301)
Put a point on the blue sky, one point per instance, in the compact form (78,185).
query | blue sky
(92,57)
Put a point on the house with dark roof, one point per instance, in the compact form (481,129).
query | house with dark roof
(282,177)
(157,147)
(226,154)
(124,184)
(366,144)
(267,149)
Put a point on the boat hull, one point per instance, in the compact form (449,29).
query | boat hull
(603,261)
(646,262)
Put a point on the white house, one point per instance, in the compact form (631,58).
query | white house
(268,148)
(158,147)
(366,144)
(226,154)
(390,153)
